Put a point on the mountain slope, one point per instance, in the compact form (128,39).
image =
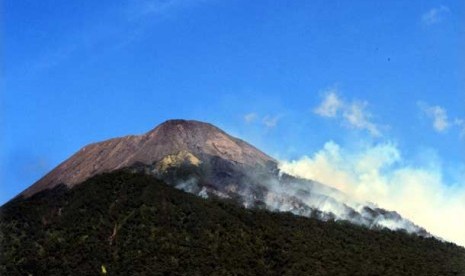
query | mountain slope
(171,137)
(133,224)
(202,159)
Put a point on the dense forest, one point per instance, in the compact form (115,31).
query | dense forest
(122,223)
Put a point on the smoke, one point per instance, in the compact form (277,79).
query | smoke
(189,186)
(313,199)
(379,174)
(192,186)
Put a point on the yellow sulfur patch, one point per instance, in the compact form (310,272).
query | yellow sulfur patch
(175,160)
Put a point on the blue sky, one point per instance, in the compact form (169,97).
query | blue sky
(287,76)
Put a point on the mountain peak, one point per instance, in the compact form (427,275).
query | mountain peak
(176,124)
(195,139)
(184,129)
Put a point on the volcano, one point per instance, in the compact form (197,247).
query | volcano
(202,159)
(171,144)
(186,198)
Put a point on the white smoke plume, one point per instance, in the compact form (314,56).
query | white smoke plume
(378,174)
(189,186)
(314,199)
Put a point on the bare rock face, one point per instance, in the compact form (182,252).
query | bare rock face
(170,141)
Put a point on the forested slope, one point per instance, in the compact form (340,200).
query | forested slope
(133,224)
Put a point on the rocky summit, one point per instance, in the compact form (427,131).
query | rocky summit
(166,145)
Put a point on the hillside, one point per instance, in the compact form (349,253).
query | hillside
(202,159)
(199,140)
(134,224)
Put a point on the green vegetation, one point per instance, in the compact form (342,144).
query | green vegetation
(132,224)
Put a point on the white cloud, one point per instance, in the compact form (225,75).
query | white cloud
(354,114)
(435,15)
(330,105)
(440,119)
(378,173)
(270,121)
(357,116)
(438,115)
(138,9)
(250,117)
